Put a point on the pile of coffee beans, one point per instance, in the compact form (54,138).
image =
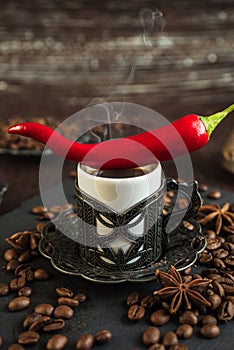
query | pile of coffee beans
(205,322)
(215,263)
(45,318)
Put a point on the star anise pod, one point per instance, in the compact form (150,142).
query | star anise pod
(216,215)
(26,240)
(181,293)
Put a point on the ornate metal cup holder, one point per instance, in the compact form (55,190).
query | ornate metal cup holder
(180,248)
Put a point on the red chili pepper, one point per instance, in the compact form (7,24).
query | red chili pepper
(186,134)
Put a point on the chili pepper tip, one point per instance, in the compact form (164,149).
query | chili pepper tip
(14,129)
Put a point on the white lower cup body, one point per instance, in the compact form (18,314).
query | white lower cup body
(119,191)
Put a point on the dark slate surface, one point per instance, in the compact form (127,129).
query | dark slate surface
(105,307)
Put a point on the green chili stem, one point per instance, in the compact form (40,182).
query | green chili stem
(215,119)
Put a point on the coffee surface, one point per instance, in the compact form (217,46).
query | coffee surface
(120,174)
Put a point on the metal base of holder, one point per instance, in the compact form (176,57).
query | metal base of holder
(181,251)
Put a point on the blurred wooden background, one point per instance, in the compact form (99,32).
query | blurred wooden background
(56,57)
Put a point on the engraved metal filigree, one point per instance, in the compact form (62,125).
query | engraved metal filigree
(142,250)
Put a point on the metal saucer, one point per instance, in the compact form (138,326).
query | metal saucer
(181,251)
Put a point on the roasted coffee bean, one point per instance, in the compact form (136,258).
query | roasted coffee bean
(85,342)
(136,313)
(184,331)
(80,297)
(222,239)
(187,271)
(64,292)
(63,311)
(160,317)
(220,253)
(10,254)
(218,263)
(205,258)
(188,317)
(28,338)
(169,339)
(44,309)
(17,283)
(157,347)
(56,209)
(214,244)
(25,257)
(57,342)
(149,301)
(196,312)
(209,271)
(226,311)
(196,276)
(15,346)
(39,226)
(46,216)
(210,331)
(40,323)
(41,275)
(188,225)
(202,187)
(215,301)
(230,298)
(229,261)
(229,247)
(55,325)
(208,319)
(151,335)
(18,304)
(27,274)
(218,289)
(230,238)
(165,305)
(25,271)
(214,194)
(49,249)
(214,276)
(1,341)
(210,234)
(133,298)
(4,289)
(12,265)
(25,292)
(30,319)
(39,210)
(103,336)
(178,347)
(68,301)
(228,289)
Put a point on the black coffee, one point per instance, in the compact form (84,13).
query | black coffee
(119,174)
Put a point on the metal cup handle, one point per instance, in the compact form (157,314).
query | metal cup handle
(189,191)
